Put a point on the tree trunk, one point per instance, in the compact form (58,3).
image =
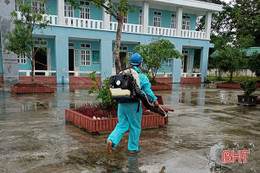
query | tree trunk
(32,65)
(231,76)
(117,44)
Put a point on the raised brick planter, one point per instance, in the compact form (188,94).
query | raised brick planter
(21,90)
(1,79)
(228,85)
(101,125)
(38,79)
(161,87)
(190,80)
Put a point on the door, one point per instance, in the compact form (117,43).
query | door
(76,60)
(185,63)
(122,59)
(41,60)
(71,59)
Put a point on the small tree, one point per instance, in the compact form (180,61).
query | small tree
(20,40)
(118,12)
(155,54)
(231,59)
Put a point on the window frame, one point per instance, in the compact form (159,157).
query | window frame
(84,60)
(68,9)
(157,23)
(22,59)
(38,6)
(85,13)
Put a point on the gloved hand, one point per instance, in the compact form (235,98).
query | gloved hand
(156,103)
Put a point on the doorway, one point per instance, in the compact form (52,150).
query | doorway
(40,60)
(185,63)
(71,60)
(122,56)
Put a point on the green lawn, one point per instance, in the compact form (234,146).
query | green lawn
(235,79)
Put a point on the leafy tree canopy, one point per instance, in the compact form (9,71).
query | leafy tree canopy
(20,39)
(155,54)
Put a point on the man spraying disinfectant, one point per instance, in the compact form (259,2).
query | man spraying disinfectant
(129,108)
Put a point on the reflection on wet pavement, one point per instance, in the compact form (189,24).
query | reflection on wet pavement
(35,138)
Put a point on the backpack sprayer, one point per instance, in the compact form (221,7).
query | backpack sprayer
(125,88)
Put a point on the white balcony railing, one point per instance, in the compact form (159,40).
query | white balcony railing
(78,73)
(83,23)
(193,34)
(162,31)
(45,72)
(53,19)
(190,74)
(127,27)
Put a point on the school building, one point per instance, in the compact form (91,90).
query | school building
(79,41)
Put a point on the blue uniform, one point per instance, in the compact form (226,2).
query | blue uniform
(129,118)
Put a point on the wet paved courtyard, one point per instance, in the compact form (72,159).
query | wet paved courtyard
(35,138)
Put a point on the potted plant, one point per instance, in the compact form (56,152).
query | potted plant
(248,86)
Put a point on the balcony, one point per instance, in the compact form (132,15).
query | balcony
(127,27)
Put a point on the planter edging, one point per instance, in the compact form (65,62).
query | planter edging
(21,90)
(101,125)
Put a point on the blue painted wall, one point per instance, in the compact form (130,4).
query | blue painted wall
(106,38)
(166,18)
(133,17)
(94,45)
(50,45)
(51,7)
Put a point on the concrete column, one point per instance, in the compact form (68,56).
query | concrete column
(106,58)
(145,16)
(176,66)
(179,21)
(208,24)
(9,61)
(106,20)
(62,58)
(60,10)
(204,63)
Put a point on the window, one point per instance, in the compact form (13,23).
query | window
(170,62)
(129,54)
(17,5)
(186,22)
(186,25)
(38,6)
(85,13)
(21,60)
(126,19)
(185,52)
(173,20)
(157,13)
(40,42)
(84,45)
(186,17)
(157,21)
(123,48)
(85,57)
(68,11)
(140,17)
(71,44)
(86,2)
(95,56)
